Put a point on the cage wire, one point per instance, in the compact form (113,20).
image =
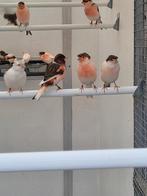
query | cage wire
(140,102)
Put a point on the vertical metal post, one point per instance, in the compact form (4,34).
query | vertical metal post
(67,101)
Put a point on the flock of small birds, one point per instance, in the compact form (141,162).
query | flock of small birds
(15,77)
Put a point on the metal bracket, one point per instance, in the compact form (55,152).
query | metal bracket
(139,91)
(110,4)
(117,22)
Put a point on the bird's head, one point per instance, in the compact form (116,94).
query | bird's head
(21,5)
(46,57)
(86,2)
(11,58)
(60,58)
(83,57)
(112,58)
(19,65)
(3,53)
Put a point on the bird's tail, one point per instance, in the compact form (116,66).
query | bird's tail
(40,92)
(11,18)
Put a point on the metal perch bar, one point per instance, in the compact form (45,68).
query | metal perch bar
(56,27)
(70,92)
(55,4)
(70,160)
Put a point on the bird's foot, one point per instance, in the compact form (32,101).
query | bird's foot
(28,32)
(95,87)
(91,22)
(21,90)
(20,26)
(104,88)
(9,91)
(116,87)
(82,88)
(98,22)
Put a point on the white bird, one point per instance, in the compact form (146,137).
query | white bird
(110,71)
(15,77)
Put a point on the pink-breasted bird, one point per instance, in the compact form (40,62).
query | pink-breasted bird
(92,12)
(23,15)
(87,72)
(55,72)
(110,71)
(46,57)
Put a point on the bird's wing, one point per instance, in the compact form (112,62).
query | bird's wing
(52,71)
(96,6)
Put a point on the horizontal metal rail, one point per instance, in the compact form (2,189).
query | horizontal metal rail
(52,4)
(56,27)
(70,92)
(70,160)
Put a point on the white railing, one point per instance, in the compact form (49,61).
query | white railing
(70,160)
(70,92)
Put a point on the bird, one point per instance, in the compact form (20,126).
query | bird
(7,57)
(11,58)
(55,72)
(87,72)
(110,71)
(15,77)
(23,15)
(10,15)
(92,12)
(46,57)
(3,55)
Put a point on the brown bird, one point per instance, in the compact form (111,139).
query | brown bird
(55,73)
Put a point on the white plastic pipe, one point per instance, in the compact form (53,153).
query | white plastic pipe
(56,27)
(69,92)
(70,160)
(51,4)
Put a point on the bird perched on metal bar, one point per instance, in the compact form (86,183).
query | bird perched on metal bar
(87,72)
(3,55)
(7,57)
(12,19)
(92,12)
(10,15)
(15,77)
(46,57)
(110,71)
(23,16)
(55,73)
